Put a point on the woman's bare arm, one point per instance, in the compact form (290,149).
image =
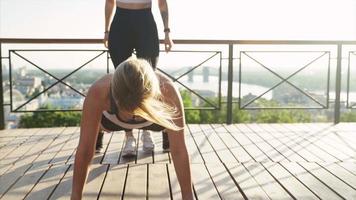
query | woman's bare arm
(176,140)
(163,8)
(109,9)
(93,106)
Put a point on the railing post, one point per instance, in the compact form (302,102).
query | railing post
(2,120)
(230,75)
(338,85)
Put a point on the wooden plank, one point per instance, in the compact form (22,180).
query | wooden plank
(158,183)
(175,187)
(98,157)
(249,186)
(94,182)
(24,185)
(113,187)
(193,150)
(132,159)
(271,136)
(203,144)
(159,155)
(218,145)
(341,173)
(48,154)
(294,143)
(10,133)
(326,139)
(346,126)
(264,145)
(204,186)
(12,136)
(310,181)
(347,141)
(11,150)
(5,168)
(48,182)
(8,136)
(286,147)
(340,144)
(11,177)
(272,188)
(142,156)
(136,183)
(248,145)
(25,147)
(223,182)
(329,179)
(297,127)
(33,153)
(349,166)
(64,188)
(308,140)
(237,150)
(114,149)
(67,149)
(289,182)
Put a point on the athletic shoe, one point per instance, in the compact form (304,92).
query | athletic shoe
(99,142)
(147,141)
(130,147)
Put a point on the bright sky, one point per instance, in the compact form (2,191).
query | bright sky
(189,19)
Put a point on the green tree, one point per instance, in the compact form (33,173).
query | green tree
(240,116)
(348,117)
(49,119)
(282,116)
(191,116)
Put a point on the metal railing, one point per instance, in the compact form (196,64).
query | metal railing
(229,44)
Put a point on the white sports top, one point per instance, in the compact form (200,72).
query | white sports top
(134,1)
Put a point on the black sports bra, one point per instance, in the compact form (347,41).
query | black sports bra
(111,121)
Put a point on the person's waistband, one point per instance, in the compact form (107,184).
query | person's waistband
(132,11)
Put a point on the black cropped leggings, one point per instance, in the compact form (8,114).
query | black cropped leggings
(133,30)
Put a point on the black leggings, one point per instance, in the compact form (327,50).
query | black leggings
(133,30)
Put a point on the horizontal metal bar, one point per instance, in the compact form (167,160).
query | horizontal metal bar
(59,50)
(191,51)
(200,108)
(232,102)
(280,108)
(34,111)
(187,41)
(285,51)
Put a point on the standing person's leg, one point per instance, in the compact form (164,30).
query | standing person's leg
(147,47)
(120,48)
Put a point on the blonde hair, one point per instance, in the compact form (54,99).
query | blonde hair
(136,89)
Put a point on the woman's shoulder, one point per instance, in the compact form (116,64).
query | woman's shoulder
(100,88)
(168,88)
(166,83)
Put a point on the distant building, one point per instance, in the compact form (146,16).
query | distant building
(197,101)
(66,102)
(28,85)
(29,82)
(22,71)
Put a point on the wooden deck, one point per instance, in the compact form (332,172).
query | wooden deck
(241,161)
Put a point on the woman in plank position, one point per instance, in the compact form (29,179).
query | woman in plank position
(134,97)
